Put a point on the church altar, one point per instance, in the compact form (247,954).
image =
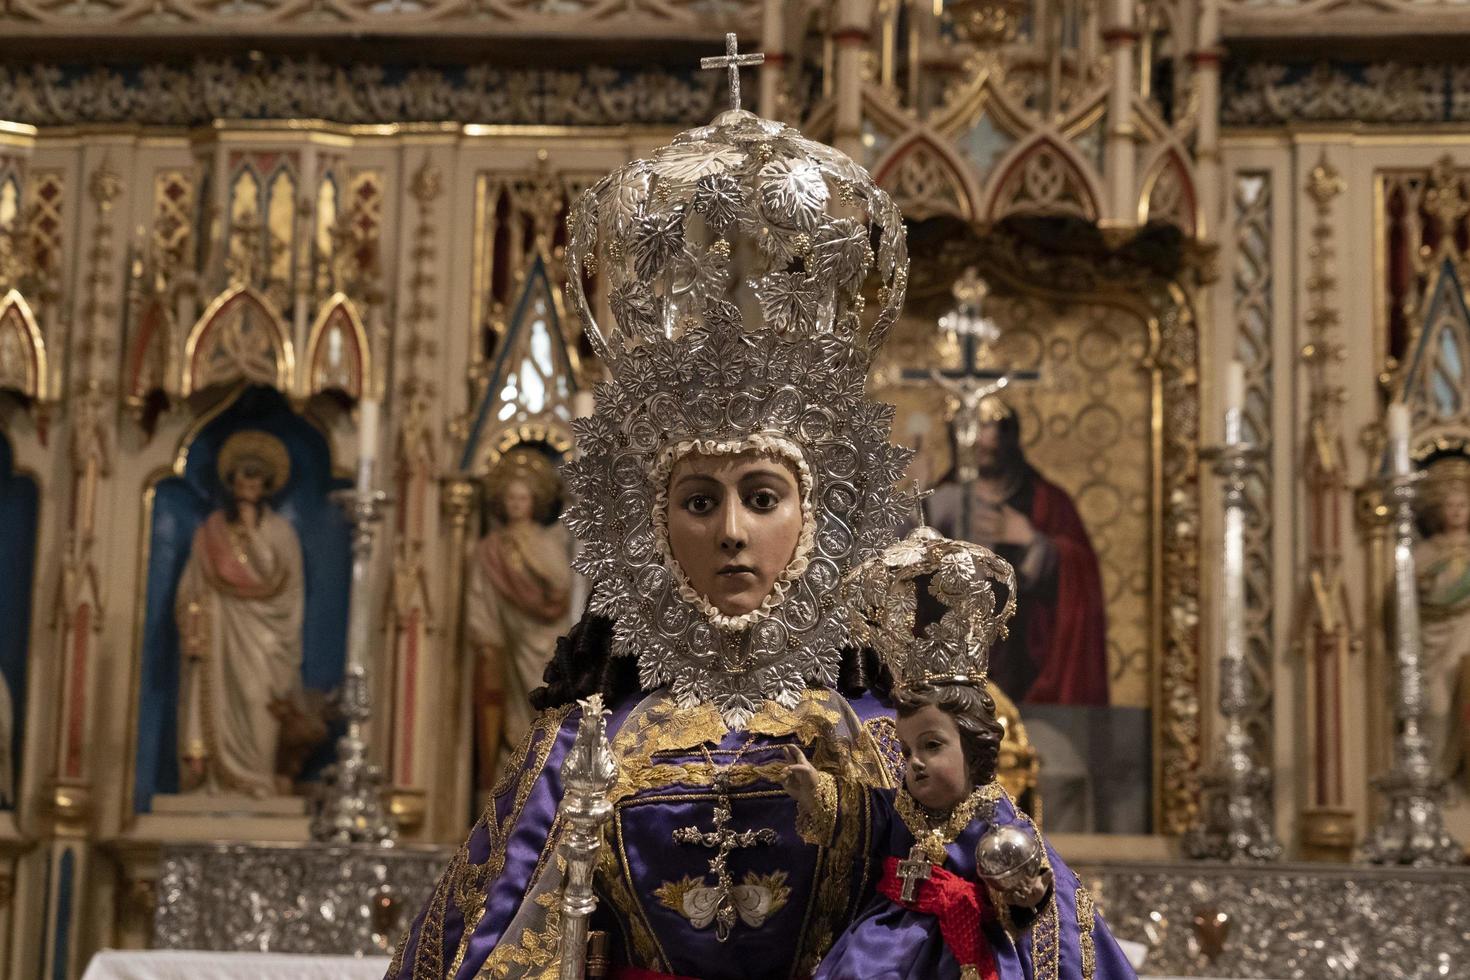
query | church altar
(194,965)
(310,908)
(290,898)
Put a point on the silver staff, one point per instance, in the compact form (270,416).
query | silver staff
(1236,817)
(1411,828)
(588,774)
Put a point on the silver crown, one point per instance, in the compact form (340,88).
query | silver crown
(743,222)
(882,596)
(736,260)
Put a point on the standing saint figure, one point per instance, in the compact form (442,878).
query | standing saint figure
(1443,564)
(517,601)
(239,607)
(1057,651)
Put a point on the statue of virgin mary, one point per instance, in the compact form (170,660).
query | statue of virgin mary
(733,473)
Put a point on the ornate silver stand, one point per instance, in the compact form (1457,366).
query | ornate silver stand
(1411,828)
(1235,822)
(588,774)
(349,805)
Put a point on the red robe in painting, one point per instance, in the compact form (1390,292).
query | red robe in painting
(1066,631)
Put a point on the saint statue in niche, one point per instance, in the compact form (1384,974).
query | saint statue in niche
(1443,564)
(239,608)
(517,601)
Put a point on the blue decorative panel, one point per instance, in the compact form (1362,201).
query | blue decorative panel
(180,504)
(19,510)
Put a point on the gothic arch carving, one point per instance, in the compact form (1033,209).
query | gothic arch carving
(22,349)
(238,338)
(148,361)
(1043,177)
(1436,375)
(1169,194)
(926,181)
(337,356)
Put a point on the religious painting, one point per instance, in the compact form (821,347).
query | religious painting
(1059,484)
(247,576)
(19,514)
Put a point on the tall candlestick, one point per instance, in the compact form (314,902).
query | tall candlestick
(1410,828)
(1398,437)
(1234,403)
(367,444)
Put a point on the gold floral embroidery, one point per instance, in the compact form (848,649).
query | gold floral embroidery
(1086,922)
(532,948)
(533,751)
(815,826)
(617,883)
(832,894)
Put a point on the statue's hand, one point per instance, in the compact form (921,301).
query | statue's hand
(800,779)
(1029,891)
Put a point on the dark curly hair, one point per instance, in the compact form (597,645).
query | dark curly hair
(973,711)
(583,664)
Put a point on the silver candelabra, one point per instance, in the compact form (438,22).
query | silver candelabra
(349,807)
(1410,829)
(1236,820)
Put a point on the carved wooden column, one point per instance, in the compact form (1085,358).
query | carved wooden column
(457,499)
(414,627)
(773,69)
(850,34)
(1121,37)
(79,608)
(1206,59)
(1328,830)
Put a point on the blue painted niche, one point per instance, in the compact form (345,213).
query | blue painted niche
(180,505)
(19,510)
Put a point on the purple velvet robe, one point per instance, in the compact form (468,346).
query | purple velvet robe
(889,942)
(820,888)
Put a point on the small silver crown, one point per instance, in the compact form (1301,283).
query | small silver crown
(883,599)
(742,222)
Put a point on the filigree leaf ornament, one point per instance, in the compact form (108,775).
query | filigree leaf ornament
(793,193)
(841,253)
(788,300)
(657,238)
(720,199)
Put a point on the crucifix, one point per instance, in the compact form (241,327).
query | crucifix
(914,869)
(732,62)
(976,381)
(724,840)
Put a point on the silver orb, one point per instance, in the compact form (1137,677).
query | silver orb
(1008,851)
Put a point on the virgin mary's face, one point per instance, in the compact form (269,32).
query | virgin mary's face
(734,523)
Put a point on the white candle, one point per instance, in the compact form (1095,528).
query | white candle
(367,430)
(1398,437)
(582,404)
(1234,402)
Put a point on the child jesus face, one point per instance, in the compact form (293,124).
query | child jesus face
(937,775)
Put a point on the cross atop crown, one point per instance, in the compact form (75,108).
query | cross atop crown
(732,62)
